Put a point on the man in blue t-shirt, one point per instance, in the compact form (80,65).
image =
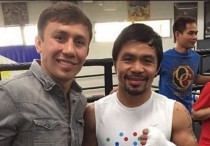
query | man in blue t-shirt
(180,64)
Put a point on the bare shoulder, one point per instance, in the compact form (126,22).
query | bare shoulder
(182,131)
(89,138)
(181,115)
(90,106)
(89,119)
(179,108)
(90,111)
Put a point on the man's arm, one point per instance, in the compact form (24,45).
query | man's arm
(201,114)
(201,109)
(90,127)
(201,79)
(182,131)
(8,119)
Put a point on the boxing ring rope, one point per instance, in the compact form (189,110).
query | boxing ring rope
(203,53)
(107,63)
(15,66)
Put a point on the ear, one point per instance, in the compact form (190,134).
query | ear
(157,72)
(88,50)
(115,68)
(38,43)
(177,35)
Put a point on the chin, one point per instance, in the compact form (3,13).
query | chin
(134,92)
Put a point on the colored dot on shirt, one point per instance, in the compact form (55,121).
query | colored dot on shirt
(121,134)
(139,138)
(134,134)
(135,143)
(117,144)
(108,139)
(126,139)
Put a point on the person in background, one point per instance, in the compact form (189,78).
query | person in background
(44,106)
(201,112)
(180,65)
(135,115)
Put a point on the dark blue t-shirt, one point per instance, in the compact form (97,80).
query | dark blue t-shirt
(177,75)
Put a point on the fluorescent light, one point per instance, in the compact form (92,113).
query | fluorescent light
(108,31)
(10,36)
(30,33)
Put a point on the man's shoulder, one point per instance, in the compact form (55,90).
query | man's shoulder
(17,79)
(194,52)
(18,85)
(168,51)
(162,97)
(106,99)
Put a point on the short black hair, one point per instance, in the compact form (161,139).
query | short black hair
(65,13)
(180,24)
(141,33)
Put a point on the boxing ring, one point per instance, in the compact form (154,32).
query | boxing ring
(17,59)
(106,63)
(105,76)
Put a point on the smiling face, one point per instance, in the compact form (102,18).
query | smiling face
(136,67)
(63,50)
(188,37)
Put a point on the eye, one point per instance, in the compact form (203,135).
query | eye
(193,33)
(80,41)
(60,38)
(148,60)
(127,58)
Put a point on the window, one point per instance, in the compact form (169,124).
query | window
(15,35)
(162,27)
(30,33)
(104,32)
(108,31)
(10,36)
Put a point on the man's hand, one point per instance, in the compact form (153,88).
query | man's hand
(154,137)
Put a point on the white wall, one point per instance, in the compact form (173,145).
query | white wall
(97,13)
(159,10)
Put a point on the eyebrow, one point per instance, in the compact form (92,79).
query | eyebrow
(145,55)
(193,31)
(66,33)
(59,32)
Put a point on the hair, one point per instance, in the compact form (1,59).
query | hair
(65,13)
(180,24)
(141,33)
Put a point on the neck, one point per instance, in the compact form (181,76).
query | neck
(182,50)
(65,85)
(130,101)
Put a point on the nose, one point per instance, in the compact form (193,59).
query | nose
(69,48)
(195,36)
(137,67)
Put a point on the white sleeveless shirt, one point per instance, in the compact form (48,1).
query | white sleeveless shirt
(117,125)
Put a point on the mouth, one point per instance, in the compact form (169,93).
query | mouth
(193,43)
(136,81)
(67,63)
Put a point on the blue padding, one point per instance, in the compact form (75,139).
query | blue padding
(20,54)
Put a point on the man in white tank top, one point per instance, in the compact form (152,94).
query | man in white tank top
(134,115)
